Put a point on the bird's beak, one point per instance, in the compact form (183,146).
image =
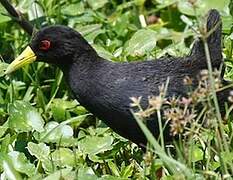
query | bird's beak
(26,57)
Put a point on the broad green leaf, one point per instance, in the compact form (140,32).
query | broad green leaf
(24,118)
(21,163)
(86,173)
(95,144)
(96,4)
(197,154)
(103,52)
(165,3)
(63,157)
(73,9)
(142,41)
(59,108)
(91,36)
(35,11)
(227,24)
(108,177)
(55,132)
(203,7)
(64,174)
(99,159)
(3,15)
(41,151)
(8,168)
(121,24)
(3,66)
(85,30)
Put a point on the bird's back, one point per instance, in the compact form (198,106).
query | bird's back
(108,86)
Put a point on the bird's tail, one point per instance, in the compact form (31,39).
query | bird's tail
(214,29)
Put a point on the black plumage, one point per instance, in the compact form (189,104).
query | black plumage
(105,87)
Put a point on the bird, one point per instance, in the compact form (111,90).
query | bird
(104,87)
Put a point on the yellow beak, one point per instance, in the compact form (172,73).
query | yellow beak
(26,57)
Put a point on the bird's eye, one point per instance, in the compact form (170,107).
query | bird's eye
(45,45)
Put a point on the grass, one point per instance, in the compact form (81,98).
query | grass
(45,133)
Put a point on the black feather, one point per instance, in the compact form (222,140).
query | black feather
(105,87)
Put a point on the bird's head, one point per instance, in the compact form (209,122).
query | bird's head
(54,44)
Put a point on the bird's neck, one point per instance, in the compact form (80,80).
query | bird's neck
(83,76)
(83,61)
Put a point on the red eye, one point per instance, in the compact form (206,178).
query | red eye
(45,45)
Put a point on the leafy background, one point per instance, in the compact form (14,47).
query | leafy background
(46,134)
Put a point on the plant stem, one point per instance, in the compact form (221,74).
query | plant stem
(17,16)
(160,128)
(220,138)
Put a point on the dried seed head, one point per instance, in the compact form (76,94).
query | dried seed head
(204,74)
(172,101)
(186,101)
(135,101)
(179,119)
(162,90)
(148,158)
(188,81)
(156,102)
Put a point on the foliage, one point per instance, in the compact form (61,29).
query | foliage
(45,134)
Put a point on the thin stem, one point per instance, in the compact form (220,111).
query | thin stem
(160,128)
(17,16)
(220,138)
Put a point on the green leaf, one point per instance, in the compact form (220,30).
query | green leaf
(59,108)
(55,132)
(127,171)
(197,154)
(86,173)
(165,3)
(202,6)
(63,157)
(35,11)
(3,129)
(3,17)
(21,164)
(142,41)
(24,118)
(8,167)
(103,52)
(113,167)
(3,65)
(227,24)
(94,144)
(96,4)
(139,2)
(227,157)
(87,29)
(62,174)
(73,9)
(231,7)
(41,151)
(108,177)
(5,143)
